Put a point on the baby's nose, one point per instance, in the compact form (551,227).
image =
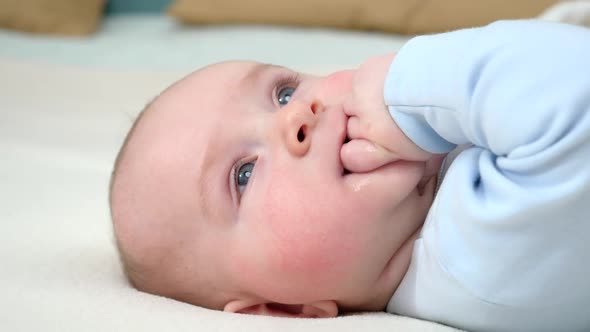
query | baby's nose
(298,120)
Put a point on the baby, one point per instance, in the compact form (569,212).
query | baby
(251,188)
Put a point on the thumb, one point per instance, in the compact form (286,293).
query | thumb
(361,156)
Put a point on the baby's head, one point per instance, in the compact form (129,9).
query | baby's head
(229,193)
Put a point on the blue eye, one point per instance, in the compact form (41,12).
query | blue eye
(243,175)
(284,95)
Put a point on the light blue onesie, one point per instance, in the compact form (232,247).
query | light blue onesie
(506,245)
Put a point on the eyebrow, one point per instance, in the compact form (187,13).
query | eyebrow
(256,71)
(206,181)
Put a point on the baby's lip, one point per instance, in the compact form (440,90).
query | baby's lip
(336,130)
(344,139)
(345,171)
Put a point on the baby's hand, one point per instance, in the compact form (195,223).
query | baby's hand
(375,139)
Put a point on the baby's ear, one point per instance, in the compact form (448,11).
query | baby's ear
(319,309)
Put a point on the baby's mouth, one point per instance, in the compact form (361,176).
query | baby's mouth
(344,170)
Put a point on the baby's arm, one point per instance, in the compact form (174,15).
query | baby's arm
(500,87)
(509,226)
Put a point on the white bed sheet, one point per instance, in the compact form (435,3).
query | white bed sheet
(65,106)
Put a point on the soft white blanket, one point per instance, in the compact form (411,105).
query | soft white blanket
(60,128)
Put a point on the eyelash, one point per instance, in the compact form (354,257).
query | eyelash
(236,172)
(288,80)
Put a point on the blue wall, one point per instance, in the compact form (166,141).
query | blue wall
(136,6)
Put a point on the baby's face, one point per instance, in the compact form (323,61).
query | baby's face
(232,188)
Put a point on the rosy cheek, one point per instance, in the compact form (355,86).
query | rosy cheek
(338,83)
(308,239)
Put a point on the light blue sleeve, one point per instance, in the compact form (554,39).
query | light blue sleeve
(511,222)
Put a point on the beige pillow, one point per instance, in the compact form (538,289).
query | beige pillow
(63,17)
(401,16)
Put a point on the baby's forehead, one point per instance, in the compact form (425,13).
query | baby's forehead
(228,70)
(194,104)
(204,83)
(185,117)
